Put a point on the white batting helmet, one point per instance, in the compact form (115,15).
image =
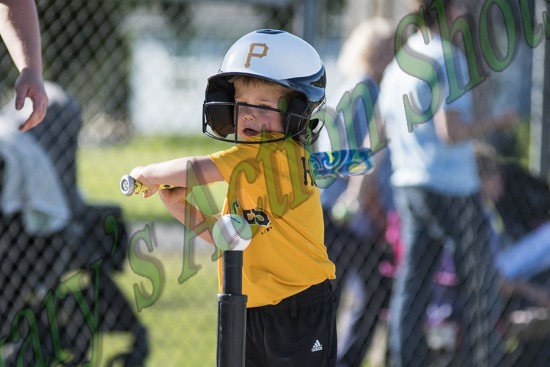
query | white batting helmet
(276,56)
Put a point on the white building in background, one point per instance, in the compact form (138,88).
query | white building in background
(168,76)
(167,90)
(168,79)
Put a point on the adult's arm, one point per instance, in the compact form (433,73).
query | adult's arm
(20,31)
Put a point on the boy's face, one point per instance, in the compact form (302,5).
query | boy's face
(252,121)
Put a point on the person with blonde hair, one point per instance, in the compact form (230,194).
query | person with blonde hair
(368,49)
(354,212)
(431,131)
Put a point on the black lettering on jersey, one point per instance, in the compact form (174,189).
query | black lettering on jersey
(256,216)
(262,218)
(308,173)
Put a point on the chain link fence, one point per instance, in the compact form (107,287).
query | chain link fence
(106,280)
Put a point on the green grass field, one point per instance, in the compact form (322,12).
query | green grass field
(182,320)
(101,167)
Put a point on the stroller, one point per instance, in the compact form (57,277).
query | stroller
(525,320)
(57,293)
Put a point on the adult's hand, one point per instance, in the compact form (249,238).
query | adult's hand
(30,85)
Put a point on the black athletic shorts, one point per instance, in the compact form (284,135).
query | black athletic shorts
(299,331)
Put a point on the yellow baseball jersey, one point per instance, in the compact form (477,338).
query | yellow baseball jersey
(273,188)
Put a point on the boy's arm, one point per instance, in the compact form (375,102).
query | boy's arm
(181,172)
(193,219)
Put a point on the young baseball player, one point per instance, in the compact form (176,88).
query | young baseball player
(269,85)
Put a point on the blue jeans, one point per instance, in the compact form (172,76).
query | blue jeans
(428,221)
(527,257)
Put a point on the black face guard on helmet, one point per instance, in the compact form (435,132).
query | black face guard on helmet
(220,113)
(296,125)
(278,57)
